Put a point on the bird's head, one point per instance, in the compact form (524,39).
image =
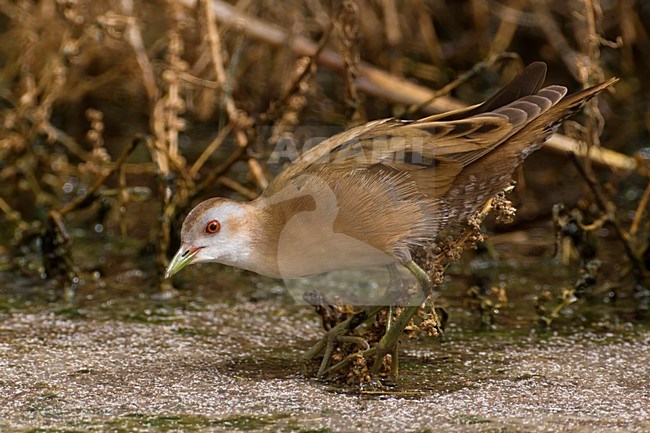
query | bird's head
(214,231)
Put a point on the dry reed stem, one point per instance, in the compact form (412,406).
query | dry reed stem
(347,27)
(638,214)
(391,22)
(633,33)
(133,35)
(217,61)
(463,78)
(237,187)
(555,38)
(209,150)
(11,214)
(239,119)
(608,208)
(507,28)
(293,88)
(215,173)
(59,136)
(591,72)
(429,35)
(376,82)
(91,194)
(481,19)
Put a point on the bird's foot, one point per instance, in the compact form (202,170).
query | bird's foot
(337,335)
(387,345)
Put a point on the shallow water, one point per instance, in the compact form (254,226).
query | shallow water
(221,354)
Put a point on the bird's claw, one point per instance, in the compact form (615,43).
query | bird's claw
(327,344)
(336,335)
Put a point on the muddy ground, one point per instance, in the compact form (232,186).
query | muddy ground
(209,360)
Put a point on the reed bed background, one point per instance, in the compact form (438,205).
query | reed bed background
(117,116)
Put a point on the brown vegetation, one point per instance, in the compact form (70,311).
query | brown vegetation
(117,116)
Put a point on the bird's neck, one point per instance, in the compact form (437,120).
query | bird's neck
(268,218)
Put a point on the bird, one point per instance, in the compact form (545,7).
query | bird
(368,196)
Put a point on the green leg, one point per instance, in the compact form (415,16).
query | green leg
(337,333)
(395,289)
(388,342)
(334,335)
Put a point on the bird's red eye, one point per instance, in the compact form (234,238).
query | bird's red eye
(213,227)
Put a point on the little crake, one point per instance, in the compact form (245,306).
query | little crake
(366,196)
